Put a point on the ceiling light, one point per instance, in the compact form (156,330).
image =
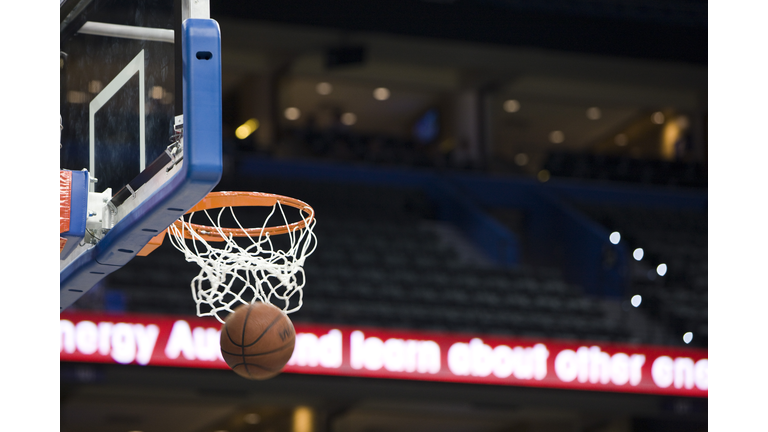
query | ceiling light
(381,93)
(74,96)
(292,113)
(636,300)
(594,113)
(658,117)
(661,270)
(556,137)
(157,92)
(638,254)
(252,418)
(95,86)
(620,140)
(324,88)
(349,118)
(246,129)
(511,106)
(302,419)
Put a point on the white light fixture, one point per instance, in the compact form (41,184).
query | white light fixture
(615,237)
(594,113)
(381,93)
(511,106)
(638,254)
(636,300)
(688,337)
(324,88)
(292,113)
(661,270)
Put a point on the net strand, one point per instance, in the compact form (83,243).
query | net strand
(231,274)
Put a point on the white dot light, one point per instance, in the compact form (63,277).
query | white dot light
(381,93)
(636,300)
(615,237)
(688,337)
(594,113)
(511,106)
(638,254)
(661,270)
(324,88)
(292,113)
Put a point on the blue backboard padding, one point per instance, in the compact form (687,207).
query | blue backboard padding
(200,172)
(78,211)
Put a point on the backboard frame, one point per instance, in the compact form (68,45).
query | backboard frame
(157,203)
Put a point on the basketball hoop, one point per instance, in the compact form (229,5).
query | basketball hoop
(244,265)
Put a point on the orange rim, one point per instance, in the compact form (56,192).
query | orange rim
(244,199)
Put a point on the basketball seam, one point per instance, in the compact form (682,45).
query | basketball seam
(246,364)
(260,336)
(242,345)
(261,353)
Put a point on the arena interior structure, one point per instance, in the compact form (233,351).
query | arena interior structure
(511,204)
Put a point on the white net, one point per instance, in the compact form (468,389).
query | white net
(249,268)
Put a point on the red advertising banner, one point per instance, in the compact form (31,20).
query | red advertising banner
(158,340)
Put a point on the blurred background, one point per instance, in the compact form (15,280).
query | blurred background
(527,169)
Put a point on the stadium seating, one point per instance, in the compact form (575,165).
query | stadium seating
(382,263)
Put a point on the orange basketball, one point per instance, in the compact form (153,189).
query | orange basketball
(257,340)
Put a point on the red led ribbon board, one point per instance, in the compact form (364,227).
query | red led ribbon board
(65,197)
(152,340)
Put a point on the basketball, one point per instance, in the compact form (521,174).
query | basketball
(257,340)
